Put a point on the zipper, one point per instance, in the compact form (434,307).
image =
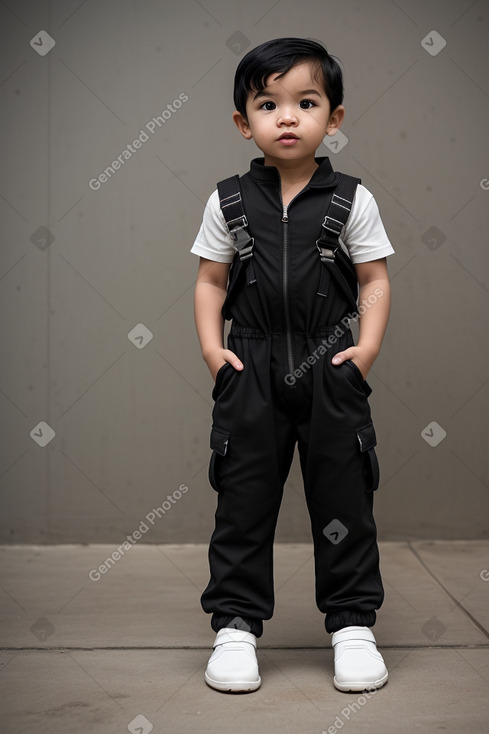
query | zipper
(285,274)
(285,280)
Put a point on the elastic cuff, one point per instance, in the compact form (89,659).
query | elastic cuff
(247,624)
(347,618)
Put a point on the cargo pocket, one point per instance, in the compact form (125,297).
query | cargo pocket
(219,445)
(368,441)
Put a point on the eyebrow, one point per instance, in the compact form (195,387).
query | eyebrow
(263,93)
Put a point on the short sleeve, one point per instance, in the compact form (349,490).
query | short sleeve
(213,240)
(364,235)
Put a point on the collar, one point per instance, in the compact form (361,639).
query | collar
(322,176)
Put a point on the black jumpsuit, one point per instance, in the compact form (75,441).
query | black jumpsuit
(261,412)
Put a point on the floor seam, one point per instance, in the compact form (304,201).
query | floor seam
(454,646)
(447,592)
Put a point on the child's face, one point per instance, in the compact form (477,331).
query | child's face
(295,103)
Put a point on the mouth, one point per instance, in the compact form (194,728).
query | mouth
(288,139)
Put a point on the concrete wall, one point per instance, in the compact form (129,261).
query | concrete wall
(87,274)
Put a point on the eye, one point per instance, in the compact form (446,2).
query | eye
(306,104)
(266,107)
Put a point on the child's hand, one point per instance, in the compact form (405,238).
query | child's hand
(358,356)
(219,358)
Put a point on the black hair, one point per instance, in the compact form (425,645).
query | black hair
(280,55)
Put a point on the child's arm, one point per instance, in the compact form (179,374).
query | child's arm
(373,280)
(210,292)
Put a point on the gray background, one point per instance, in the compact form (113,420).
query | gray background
(132,424)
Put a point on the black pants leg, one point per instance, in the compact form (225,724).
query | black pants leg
(258,443)
(338,462)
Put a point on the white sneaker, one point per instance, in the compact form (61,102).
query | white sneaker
(358,665)
(233,665)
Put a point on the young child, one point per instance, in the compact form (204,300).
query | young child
(291,373)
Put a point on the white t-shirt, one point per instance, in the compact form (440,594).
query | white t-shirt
(363,237)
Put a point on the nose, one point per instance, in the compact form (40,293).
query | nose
(287,117)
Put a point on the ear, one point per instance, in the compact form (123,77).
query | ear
(335,120)
(242,125)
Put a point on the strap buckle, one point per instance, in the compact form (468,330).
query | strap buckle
(332,225)
(331,231)
(243,242)
(326,253)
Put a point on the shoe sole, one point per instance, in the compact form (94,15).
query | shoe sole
(234,686)
(357,687)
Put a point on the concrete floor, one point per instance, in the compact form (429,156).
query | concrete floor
(127,652)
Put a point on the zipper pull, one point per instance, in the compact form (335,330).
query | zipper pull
(285,217)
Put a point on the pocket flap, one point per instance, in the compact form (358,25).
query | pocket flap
(366,437)
(219,440)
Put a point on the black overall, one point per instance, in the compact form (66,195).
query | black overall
(286,334)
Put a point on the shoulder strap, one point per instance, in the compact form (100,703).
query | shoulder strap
(337,216)
(232,208)
(335,262)
(229,191)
